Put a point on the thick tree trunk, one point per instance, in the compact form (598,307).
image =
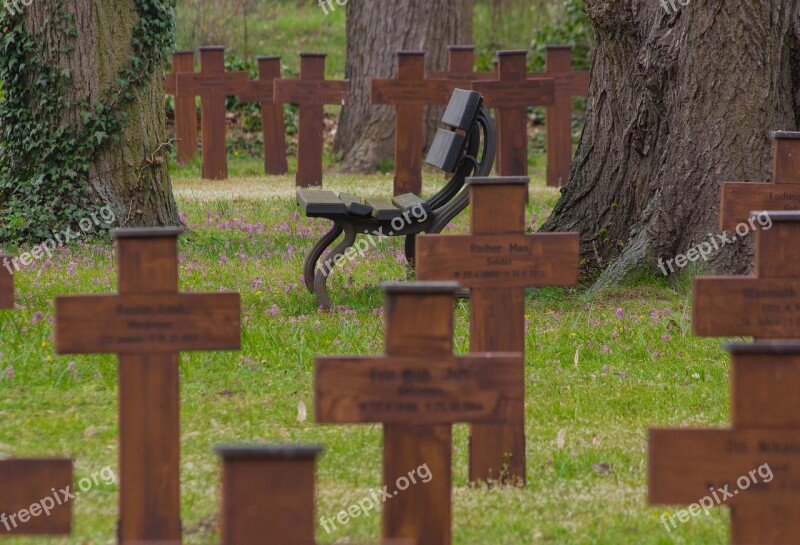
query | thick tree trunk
(130,176)
(375,31)
(679,102)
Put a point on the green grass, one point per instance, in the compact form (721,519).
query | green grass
(600,370)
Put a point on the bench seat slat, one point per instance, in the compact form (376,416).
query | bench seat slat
(314,201)
(383,209)
(409,201)
(355,205)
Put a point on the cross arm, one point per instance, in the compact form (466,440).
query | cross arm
(311,92)
(211,84)
(746,306)
(408,92)
(517,94)
(739,199)
(435,390)
(549,259)
(147,324)
(567,83)
(684,464)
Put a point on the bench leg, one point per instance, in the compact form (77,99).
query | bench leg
(410,248)
(321,273)
(316,252)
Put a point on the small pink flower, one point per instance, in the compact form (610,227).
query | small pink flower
(620,313)
(36,318)
(274,310)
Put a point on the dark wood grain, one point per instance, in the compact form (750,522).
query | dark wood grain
(498,261)
(32,481)
(510,96)
(149,395)
(6,283)
(418,390)
(185,108)
(568,84)
(311,92)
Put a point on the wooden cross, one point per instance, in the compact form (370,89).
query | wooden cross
(212,84)
(559,116)
(410,92)
(273,126)
(752,467)
(766,305)
(148,324)
(268,495)
(6,283)
(35,496)
(740,198)
(498,261)
(418,389)
(185,108)
(511,96)
(311,92)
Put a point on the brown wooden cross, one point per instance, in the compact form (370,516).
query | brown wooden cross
(510,96)
(498,261)
(418,389)
(185,108)
(6,283)
(268,495)
(148,323)
(766,305)
(311,92)
(752,467)
(461,68)
(262,91)
(35,496)
(410,93)
(740,198)
(212,84)
(559,116)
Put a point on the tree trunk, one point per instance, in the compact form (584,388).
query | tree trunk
(679,102)
(131,175)
(375,31)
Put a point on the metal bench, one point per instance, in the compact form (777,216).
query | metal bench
(466,147)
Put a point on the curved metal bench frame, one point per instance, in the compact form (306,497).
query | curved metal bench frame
(445,205)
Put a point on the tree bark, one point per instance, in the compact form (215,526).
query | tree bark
(679,102)
(131,175)
(375,31)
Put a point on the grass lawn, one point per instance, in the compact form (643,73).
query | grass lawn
(600,370)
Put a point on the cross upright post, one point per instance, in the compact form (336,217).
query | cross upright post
(185,108)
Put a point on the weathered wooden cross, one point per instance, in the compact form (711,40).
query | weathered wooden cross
(262,91)
(311,92)
(148,324)
(418,389)
(6,283)
(740,198)
(461,68)
(559,116)
(185,107)
(511,96)
(766,305)
(410,93)
(498,261)
(753,467)
(268,495)
(212,84)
